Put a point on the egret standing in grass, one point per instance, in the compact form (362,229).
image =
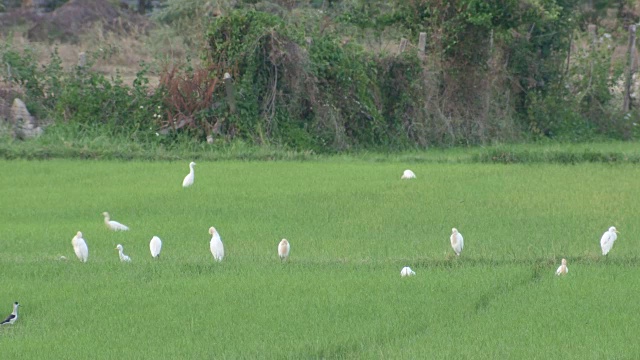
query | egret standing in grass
(123,257)
(406,271)
(283,249)
(408,174)
(217,249)
(112,224)
(188,180)
(80,247)
(563,269)
(155,245)
(13,316)
(607,240)
(457,243)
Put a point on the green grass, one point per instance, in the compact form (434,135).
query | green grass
(74,142)
(352,225)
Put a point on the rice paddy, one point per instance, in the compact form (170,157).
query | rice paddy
(352,226)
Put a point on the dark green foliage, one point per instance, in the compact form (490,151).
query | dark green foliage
(51,5)
(472,39)
(559,157)
(23,69)
(320,92)
(47,5)
(91,99)
(239,43)
(84,97)
(306,76)
(402,109)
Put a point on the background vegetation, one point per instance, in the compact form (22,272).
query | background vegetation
(329,76)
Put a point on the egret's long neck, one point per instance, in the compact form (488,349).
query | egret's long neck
(106,219)
(190,169)
(15,310)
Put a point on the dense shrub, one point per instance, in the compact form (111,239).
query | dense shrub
(305,75)
(83,97)
(317,91)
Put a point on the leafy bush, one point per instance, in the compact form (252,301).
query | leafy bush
(304,75)
(317,91)
(90,99)
(84,97)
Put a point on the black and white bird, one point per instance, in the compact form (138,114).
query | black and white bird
(14,315)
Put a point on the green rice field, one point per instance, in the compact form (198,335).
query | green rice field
(352,226)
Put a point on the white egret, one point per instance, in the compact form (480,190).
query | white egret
(80,247)
(457,243)
(217,249)
(563,269)
(123,257)
(607,240)
(406,271)
(155,245)
(283,249)
(188,180)
(408,174)
(112,224)
(13,316)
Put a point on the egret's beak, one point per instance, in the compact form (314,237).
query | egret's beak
(617,232)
